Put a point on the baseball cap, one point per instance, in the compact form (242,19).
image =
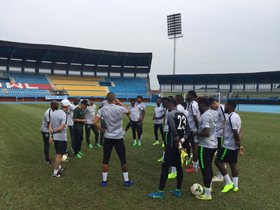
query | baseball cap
(65,102)
(85,102)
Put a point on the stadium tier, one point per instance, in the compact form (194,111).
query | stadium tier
(24,93)
(244,87)
(129,88)
(28,78)
(79,86)
(20,85)
(36,70)
(255,95)
(28,85)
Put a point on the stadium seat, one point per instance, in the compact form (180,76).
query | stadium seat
(29,78)
(129,88)
(256,95)
(39,81)
(3,82)
(24,93)
(87,93)
(73,82)
(79,86)
(73,86)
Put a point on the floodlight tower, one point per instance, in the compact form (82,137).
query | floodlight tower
(174,29)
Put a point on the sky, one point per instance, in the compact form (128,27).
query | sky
(219,36)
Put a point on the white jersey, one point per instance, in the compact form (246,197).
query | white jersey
(59,117)
(221,121)
(233,122)
(112,115)
(159,112)
(142,107)
(208,120)
(46,120)
(193,111)
(90,113)
(134,113)
(70,121)
(104,103)
(182,109)
(166,127)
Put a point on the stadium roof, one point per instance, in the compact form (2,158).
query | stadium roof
(271,76)
(140,62)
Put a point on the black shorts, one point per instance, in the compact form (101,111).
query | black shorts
(172,156)
(219,142)
(60,147)
(227,155)
(108,147)
(205,156)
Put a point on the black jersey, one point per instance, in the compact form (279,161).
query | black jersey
(178,126)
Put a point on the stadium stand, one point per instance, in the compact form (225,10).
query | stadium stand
(4,81)
(129,88)
(28,78)
(72,86)
(79,86)
(256,95)
(257,87)
(40,71)
(24,93)
(21,85)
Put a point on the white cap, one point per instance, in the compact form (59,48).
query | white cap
(65,102)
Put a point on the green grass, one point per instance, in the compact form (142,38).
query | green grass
(26,182)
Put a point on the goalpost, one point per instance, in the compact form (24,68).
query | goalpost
(216,95)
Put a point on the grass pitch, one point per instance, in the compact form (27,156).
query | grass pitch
(26,182)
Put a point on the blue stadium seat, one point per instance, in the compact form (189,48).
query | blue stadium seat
(29,78)
(24,93)
(23,78)
(129,88)
(3,81)
(122,87)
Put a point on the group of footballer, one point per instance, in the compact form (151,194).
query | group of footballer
(197,129)
(203,130)
(106,124)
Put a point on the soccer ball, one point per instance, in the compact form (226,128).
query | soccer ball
(196,189)
(64,158)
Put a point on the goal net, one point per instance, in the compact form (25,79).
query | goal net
(221,97)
